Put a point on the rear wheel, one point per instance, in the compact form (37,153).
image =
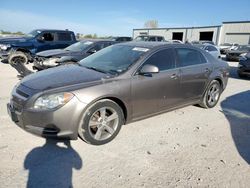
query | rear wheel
(101,123)
(212,95)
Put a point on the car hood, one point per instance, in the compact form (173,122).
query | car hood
(56,53)
(62,76)
(13,40)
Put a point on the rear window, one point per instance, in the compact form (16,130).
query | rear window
(188,57)
(64,36)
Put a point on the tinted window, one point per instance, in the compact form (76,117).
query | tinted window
(159,38)
(64,36)
(163,59)
(151,39)
(48,37)
(189,57)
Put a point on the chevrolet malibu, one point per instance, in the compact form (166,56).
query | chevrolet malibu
(115,86)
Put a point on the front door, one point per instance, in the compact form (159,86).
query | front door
(152,93)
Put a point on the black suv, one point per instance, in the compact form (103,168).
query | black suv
(23,48)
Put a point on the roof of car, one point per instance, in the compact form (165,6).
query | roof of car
(96,40)
(151,44)
(55,30)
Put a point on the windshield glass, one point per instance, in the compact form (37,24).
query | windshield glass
(33,33)
(79,46)
(114,59)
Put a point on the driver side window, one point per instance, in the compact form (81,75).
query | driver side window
(163,59)
(47,37)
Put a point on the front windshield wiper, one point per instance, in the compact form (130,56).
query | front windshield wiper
(96,69)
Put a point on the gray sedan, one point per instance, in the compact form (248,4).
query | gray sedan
(115,86)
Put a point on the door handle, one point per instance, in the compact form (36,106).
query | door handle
(174,76)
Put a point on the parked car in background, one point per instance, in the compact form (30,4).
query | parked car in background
(234,55)
(227,46)
(202,42)
(121,39)
(115,86)
(75,52)
(23,48)
(213,50)
(244,65)
(149,38)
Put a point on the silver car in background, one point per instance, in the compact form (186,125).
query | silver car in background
(115,86)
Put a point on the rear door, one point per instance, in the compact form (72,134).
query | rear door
(155,92)
(194,71)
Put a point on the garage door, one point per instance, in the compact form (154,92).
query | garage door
(239,38)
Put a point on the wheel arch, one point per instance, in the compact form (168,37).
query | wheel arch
(22,50)
(220,81)
(120,103)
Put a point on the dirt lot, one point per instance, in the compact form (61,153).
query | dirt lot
(189,147)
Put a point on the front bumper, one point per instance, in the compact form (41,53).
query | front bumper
(59,123)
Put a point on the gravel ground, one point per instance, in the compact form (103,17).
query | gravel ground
(189,147)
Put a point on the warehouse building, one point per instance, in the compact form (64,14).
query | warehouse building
(229,32)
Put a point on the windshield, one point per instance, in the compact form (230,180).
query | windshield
(33,33)
(243,48)
(79,46)
(114,59)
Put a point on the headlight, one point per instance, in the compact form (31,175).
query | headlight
(50,62)
(53,101)
(4,46)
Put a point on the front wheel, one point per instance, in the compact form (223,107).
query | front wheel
(212,95)
(18,60)
(101,123)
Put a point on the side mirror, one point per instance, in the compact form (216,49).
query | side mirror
(148,69)
(92,51)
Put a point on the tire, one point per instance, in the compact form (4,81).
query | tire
(212,95)
(95,128)
(18,60)
(18,57)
